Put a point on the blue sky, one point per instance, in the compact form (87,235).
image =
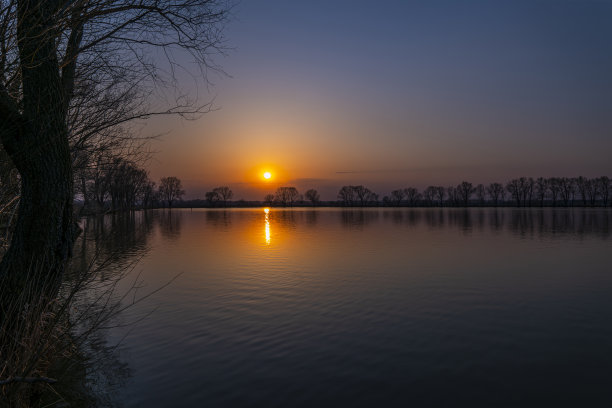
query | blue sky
(399,93)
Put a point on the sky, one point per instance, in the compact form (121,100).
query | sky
(392,94)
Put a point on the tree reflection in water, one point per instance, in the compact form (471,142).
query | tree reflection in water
(108,249)
(532,222)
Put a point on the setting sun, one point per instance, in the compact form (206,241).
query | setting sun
(267,175)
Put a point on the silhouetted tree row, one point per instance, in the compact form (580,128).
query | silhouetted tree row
(117,184)
(357,195)
(520,192)
(289,196)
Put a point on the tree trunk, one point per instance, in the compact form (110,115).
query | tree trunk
(43,236)
(37,143)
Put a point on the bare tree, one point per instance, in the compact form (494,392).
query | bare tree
(127,185)
(269,199)
(212,197)
(604,189)
(588,189)
(528,189)
(149,195)
(465,191)
(554,186)
(452,196)
(313,196)
(52,51)
(286,195)
(541,189)
(429,194)
(567,190)
(170,190)
(582,185)
(593,192)
(496,193)
(225,193)
(440,192)
(372,198)
(412,195)
(347,195)
(396,197)
(364,195)
(517,190)
(480,194)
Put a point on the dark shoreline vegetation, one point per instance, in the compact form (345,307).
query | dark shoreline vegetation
(520,192)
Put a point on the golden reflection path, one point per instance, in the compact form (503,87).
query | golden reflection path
(267,228)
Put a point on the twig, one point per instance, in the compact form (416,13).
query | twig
(29,380)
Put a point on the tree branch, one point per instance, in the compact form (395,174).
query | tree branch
(29,380)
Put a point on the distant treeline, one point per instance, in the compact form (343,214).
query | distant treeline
(121,185)
(113,183)
(519,192)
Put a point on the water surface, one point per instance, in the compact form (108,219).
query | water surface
(372,307)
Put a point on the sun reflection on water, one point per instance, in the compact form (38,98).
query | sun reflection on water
(267,212)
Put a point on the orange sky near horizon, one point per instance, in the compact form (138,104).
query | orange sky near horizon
(412,95)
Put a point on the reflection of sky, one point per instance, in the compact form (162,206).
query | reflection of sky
(399,92)
(365,289)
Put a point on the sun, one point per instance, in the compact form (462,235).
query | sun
(267,175)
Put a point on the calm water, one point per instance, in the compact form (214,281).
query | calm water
(373,308)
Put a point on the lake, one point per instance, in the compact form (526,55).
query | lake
(372,307)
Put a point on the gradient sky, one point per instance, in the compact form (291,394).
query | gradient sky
(393,93)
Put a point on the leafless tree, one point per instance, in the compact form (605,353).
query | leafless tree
(429,194)
(225,193)
(496,193)
(170,190)
(127,185)
(465,191)
(452,196)
(604,189)
(541,189)
(396,197)
(212,197)
(480,194)
(588,189)
(528,190)
(57,54)
(412,195)
(567,190)
(347,195)
(554,186)
(351,195)
(149,195)
(269,199)
(582,185)
(363,194)
(593,191)
(313,196)
(440,193)
(519,190)
(286,195)
(372,198)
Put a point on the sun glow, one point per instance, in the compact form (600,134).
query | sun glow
(267,175)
